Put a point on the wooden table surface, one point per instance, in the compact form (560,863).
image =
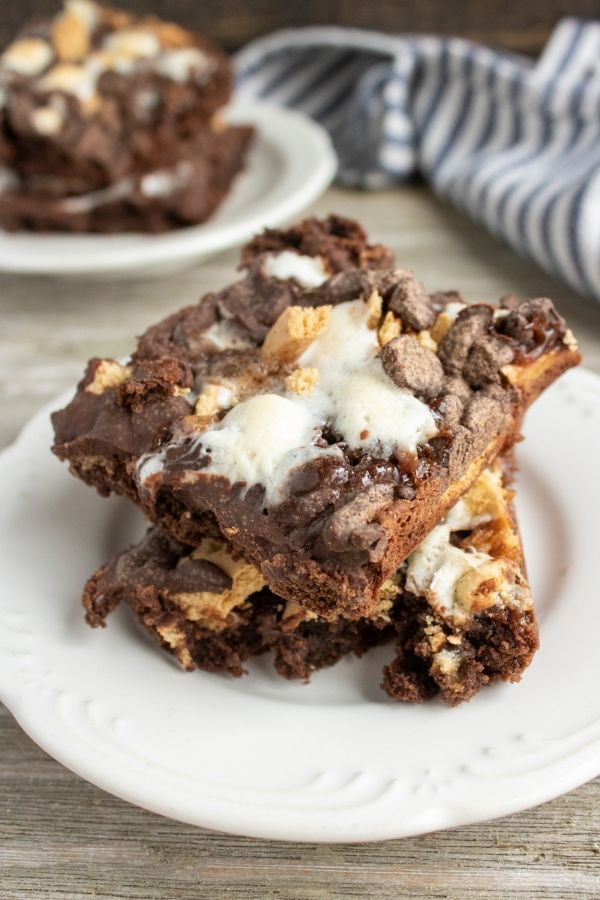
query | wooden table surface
(61,837)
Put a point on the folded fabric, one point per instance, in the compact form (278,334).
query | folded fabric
(514,144)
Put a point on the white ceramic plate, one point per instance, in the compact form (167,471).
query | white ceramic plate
(331,761)
(290,164)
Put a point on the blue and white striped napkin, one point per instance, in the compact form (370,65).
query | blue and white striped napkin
(514,144)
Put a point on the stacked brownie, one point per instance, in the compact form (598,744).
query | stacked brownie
(317,446)
(112,123)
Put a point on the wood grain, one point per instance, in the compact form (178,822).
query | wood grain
(63,838)
(511,24)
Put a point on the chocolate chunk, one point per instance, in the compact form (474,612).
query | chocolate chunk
(484,416)
(254,304)
(412,304)
(460,452)
(353,284)
(459,387)
(486,358)
(470,325)
(196,576)
(534,324)
(154,380)
(351,527)
(412,366)
(451,408)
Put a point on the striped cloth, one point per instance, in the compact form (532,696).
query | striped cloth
(514,144)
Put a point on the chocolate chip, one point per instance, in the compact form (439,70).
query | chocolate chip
(451,408)
(412,304)
(351,527)
(459,452)
(344,286)
(459,387)
(484,416)
(197,575)
(412,366)
(154,380)
(470,325)
(532,323)
(486,358)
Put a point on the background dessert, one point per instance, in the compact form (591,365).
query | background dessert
(111,122)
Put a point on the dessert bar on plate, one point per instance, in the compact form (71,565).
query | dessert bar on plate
(459,607)
(322,413)
(110,122)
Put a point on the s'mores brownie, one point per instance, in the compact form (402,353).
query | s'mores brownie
(111,122)
(322,413)
(460,606)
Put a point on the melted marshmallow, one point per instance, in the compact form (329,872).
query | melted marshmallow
(436,566)
(261,439)
(166,181)
(355,394)
(28,57)
(452,309)
(224,337)
(178,65)
(309,271)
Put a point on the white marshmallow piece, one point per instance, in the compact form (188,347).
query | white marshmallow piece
(180,65)
(86,11)
(132,44)
(261,440)
(309,271)
(28,57)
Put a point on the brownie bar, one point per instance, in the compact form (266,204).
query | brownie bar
(103,113)
(322,418)
(460,606)
(186,192)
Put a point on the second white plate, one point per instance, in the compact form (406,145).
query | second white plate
(290,164)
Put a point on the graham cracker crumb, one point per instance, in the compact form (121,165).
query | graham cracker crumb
(294,331)
(210,610)
(176,639)
(374,307)
(302,381)
(390,328)
(295,611)
(425,339)
(109,373)
(569,341)
(442,324)
(70,37)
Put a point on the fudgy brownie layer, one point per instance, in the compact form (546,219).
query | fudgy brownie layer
(157,576)
(110,123)
(185,191)
(96,94)
(460,606)
(375,404)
